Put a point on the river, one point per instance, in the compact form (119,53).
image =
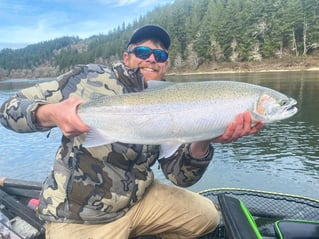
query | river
(282,157)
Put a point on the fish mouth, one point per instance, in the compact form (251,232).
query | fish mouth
(290,109)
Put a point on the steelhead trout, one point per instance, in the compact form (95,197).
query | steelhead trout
(170,114)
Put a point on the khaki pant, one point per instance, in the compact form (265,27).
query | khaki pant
(167,211)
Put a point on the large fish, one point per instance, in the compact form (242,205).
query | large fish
(170,114)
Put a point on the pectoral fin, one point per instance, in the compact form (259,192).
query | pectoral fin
(96,137)
(168,149)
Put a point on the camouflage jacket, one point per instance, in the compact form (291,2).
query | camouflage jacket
(96,185)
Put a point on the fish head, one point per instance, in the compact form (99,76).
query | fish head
(274,107)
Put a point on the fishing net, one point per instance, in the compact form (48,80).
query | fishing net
(266,208)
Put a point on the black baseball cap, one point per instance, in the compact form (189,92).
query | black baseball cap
(150,32)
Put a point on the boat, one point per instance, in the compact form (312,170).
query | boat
(246,214)
(256,214)
(18,210)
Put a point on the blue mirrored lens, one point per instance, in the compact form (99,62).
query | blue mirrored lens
(143,52)
(160,55)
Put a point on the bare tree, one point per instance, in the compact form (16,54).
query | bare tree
(305,28)
(294,43)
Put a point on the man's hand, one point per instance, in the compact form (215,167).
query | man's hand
(241,127)
(63,115)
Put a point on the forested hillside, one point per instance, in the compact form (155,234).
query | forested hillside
(202,32)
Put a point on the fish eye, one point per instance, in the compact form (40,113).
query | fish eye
(283,102)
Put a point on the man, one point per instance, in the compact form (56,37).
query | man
(109,191)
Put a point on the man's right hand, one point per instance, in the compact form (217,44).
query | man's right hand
(63,115)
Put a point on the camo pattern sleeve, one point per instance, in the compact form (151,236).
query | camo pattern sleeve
(18,112)
(184,170)
(85,81)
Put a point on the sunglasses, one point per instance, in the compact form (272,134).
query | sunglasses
(144,52)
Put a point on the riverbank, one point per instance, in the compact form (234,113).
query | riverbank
(268,65)
(309,63)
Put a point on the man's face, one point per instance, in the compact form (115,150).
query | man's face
(150,68)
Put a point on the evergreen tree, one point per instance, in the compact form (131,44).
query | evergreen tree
(202,31)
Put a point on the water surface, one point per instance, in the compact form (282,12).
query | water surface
(282,157)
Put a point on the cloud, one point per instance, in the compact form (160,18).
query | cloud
(33,21)
(118,3)
(139,3)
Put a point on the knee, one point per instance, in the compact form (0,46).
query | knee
(208,220)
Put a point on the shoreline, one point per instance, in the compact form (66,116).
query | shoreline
(293,64)
(242,71)
(227,70)
(312,69)
(306,65)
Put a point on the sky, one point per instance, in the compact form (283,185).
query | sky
(25,22)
